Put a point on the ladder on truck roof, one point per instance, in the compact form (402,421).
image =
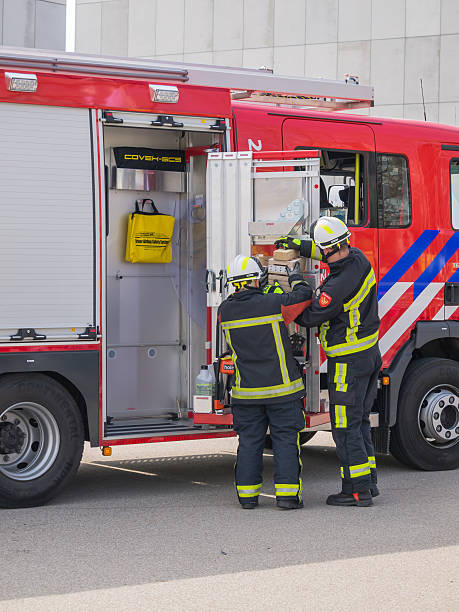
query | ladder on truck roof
(249,85)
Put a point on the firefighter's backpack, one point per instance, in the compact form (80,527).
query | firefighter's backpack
(149,235)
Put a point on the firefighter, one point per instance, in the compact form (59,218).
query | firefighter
(268,386)
(345,308)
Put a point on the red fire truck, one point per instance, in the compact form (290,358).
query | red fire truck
(96,348)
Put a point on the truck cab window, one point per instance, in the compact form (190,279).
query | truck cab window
(340,172)
(392,181)
(454,183)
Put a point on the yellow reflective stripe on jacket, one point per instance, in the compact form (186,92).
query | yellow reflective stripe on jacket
(342,471)
(353,307)
(237,380)
(287,490)
(340,377)
(296,282)
(323,334)
(354,322)
(267,392)
(252,321)
(363,469)
(362,292)
(372,462)
(340,416)
(248,490)
(351,347)
(281,353)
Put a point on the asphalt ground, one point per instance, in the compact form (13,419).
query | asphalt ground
(158,527)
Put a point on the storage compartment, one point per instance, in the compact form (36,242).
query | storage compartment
(156,313)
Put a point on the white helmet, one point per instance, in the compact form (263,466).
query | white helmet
(329,231)
(243,269)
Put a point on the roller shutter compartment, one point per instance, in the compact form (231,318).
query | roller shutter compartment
(47,259)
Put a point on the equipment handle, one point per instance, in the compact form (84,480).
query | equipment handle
(141,206)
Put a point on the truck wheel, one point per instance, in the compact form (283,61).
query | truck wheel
(305,436)
(41,439)
(426,435)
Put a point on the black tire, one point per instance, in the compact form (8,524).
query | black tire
(410,442)
(305,436)
(44,475)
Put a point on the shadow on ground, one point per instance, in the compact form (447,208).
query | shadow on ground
(133,521)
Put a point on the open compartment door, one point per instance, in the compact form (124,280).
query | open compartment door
(253,198)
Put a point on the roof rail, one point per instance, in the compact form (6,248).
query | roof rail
(244,84)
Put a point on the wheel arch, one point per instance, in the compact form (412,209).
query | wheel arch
(76,371)
(428,339)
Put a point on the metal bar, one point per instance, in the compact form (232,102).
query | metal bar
(143,345)
(261,85)
(285,174)
(357,189)
(294,154)
(282,163)
(92,66)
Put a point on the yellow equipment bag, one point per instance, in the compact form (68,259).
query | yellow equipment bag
(149,235)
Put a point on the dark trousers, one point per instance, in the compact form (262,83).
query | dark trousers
(251,423)
(352,387)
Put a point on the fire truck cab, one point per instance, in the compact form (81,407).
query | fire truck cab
(93,347)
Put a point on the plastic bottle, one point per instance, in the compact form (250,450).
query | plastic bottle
(205,382)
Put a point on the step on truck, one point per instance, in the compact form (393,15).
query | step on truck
(96,348)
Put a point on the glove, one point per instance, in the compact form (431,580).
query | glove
(294,274)
(263,278)
(288,242)
(276,288)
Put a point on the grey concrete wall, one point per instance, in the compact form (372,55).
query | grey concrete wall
(388,43)
(33,23)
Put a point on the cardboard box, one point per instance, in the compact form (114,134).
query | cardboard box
(263,259)
(281,279)
(279,267)
(285,254)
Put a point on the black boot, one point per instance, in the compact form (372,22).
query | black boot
(355,499)
(289,504)
(249,505)
(374,490)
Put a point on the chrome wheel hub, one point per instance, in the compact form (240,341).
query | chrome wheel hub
(29,441)
(439,415)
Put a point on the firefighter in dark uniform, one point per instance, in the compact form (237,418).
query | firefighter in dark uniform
(345,308)
(268,387)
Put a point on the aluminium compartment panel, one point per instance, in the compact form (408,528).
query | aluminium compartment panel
(46,219)
(142,381)
(142,310)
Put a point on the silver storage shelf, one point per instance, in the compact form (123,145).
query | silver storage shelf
(148,180)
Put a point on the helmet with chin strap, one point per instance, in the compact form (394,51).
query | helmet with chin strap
(243,270)
(330,233)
